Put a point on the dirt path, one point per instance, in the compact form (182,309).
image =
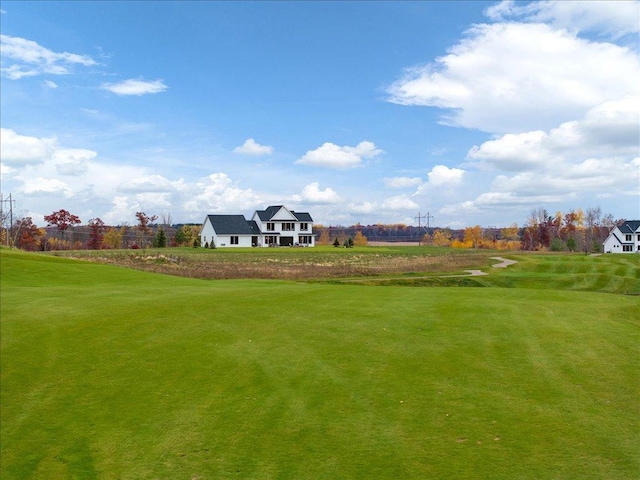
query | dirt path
(504,263)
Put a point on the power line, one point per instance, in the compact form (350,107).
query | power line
(421,217)
(4,216)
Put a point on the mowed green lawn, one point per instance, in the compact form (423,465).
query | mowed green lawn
(120,374)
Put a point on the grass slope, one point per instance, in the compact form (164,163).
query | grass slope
(114,373)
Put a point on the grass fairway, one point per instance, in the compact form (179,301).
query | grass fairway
(122,374)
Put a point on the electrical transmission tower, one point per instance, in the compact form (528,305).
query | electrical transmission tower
(427,216)
(7,214)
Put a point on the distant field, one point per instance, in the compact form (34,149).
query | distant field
(396,265)
(529,372)
(287,263)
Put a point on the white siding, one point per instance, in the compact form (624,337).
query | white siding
(225,241)
(611,245)
(207,233)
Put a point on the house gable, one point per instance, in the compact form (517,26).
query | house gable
(276,213)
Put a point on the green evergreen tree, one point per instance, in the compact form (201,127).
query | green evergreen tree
(160,239)
(336,242)
(180,237)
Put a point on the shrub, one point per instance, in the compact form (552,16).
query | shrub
(360,240)
(557,245)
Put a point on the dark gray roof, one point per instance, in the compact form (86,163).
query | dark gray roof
(630,226)
(302,216)
(267,214)
(233,225)
(254,227)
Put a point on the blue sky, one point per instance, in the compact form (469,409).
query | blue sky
(369,112)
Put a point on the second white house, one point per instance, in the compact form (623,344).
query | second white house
(274,226)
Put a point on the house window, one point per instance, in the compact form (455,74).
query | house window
(639,238)
(288,227)
(234,240)
(627,248)
(627,238)
(305,226)
(305,239)
(271,240)
(271,227)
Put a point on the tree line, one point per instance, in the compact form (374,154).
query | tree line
(64,231)
(576,230)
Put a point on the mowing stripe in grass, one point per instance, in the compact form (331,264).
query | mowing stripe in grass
(123,374)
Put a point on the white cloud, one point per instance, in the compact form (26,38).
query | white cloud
(402,182)
(146,183)
(40,186)
(568,179)
(154,200)
(250,147)
(364,208)
(443,175)
(331,155)
(50,84)
(217,194)
(614,19)
(607,130)
(512,151)
(73,161)
(135,87)
(120,210)
(515,77)
(463,208)
(399,202)
(380,209)
(311,194)
(19,150)
(596,155)
(33,59)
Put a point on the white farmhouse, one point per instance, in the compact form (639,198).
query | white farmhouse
(623,238)
(275,226)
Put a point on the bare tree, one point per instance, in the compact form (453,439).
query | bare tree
(166,219)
